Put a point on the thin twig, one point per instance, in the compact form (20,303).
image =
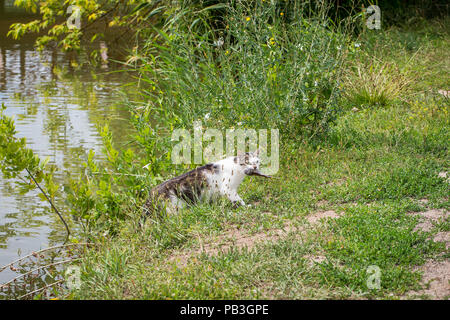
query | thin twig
(43,288)
(37,269)
(120,174)
(43,250)
(51,203)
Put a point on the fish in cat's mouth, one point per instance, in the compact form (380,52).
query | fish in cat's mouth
(255,172)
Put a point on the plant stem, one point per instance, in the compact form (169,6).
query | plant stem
(51,203)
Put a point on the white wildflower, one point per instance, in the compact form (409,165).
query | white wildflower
(219,42)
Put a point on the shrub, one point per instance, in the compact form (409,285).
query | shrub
(260,68)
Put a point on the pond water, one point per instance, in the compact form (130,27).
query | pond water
(56,107)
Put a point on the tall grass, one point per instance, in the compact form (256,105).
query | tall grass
(375,83)
(262,67)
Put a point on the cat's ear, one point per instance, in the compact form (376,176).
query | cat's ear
(257,152)
(243,157)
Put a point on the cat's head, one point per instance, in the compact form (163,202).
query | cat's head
(250,163)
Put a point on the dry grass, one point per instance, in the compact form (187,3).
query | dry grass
(375,83)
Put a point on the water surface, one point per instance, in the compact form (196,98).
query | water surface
(56,106)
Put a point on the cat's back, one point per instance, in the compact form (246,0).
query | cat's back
(188,180)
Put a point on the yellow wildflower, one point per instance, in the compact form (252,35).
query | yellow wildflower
(247,18)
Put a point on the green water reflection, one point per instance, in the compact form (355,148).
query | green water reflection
(56,107)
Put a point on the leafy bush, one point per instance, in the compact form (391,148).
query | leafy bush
(115,185)
(106,191)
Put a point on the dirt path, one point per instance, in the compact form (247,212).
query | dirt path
(239,238)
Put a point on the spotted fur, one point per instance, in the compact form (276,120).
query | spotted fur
(221,178)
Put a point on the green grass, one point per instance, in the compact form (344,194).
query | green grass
(372,167)
(380,235)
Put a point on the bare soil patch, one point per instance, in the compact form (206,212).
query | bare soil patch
(429,218)
(436,279)
(436,274)
(316,217)
(240,238)
(443,236)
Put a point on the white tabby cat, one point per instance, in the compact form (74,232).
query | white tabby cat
(221,178)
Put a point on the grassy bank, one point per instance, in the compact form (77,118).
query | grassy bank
(342,201)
